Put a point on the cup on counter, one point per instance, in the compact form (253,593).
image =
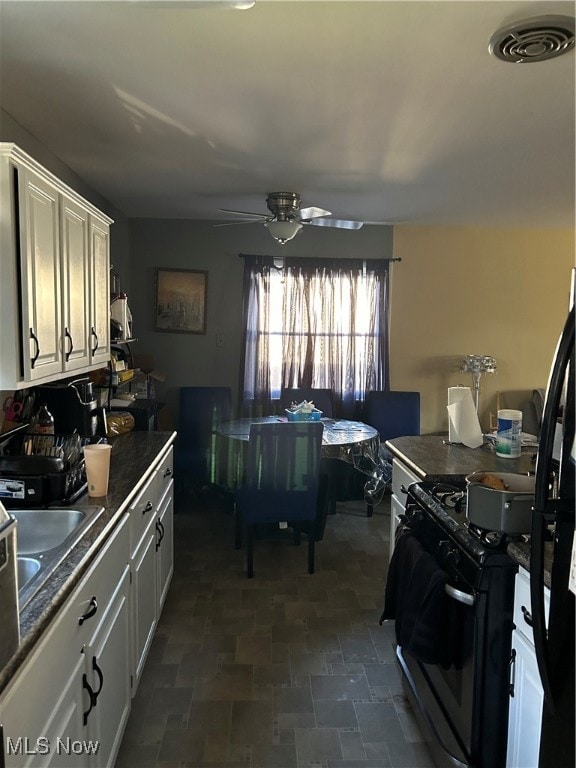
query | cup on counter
(509,434)
(97,461)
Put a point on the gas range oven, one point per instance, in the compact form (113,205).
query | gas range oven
(451,590)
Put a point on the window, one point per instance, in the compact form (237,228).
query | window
(315,323)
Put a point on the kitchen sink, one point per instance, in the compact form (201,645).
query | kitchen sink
(42,529)
(44,538)
(28,567)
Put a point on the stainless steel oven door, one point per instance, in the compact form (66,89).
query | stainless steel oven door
(446,695)
(455,686)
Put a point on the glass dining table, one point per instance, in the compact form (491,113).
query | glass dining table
(342,438)
(351,441)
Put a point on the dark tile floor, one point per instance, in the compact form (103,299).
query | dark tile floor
(285,670)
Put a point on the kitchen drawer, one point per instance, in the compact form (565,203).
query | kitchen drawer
(142,509)
(89,601)
(523,605)
(402,476)
(165,472)
(396,509)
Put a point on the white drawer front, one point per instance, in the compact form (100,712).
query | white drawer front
(165,472)
(402,476)
(396,509)
(142,509)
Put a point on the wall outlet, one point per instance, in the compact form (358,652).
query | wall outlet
(219,339)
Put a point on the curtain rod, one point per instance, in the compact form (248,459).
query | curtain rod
(317,258)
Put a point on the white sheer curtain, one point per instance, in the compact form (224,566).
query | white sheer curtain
(315,323)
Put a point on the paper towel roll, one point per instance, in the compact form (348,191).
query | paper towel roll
(455,394)
(463,424)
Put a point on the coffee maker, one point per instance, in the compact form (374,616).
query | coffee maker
(74,407)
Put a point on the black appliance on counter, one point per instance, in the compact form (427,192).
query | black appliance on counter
(454,646)
(554,505)
(74,407)
(42,470)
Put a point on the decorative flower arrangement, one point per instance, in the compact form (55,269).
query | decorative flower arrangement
(477,365)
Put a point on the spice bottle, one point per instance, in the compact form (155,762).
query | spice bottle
(44,422)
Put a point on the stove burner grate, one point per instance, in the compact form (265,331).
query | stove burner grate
(450,496)
(490,539)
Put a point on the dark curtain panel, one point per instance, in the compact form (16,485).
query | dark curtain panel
(320,323)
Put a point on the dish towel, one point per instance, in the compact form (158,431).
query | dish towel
(426,618)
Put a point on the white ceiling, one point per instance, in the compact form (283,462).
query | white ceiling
(384,110)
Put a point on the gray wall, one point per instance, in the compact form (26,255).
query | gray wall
(195,359)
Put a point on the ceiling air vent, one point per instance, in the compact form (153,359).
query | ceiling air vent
(537,39)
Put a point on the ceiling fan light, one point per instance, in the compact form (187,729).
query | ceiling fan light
(282,231)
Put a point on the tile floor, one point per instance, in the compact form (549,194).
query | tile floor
(285,670)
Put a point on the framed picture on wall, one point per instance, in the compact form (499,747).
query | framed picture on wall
(181,300)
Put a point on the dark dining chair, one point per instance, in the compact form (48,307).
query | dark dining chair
(393,414)
(202,410)
(281,482)
(322,399)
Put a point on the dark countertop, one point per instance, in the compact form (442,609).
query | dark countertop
(133,456)
(432,458)
(520,552)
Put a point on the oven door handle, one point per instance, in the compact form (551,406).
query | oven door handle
(461,597)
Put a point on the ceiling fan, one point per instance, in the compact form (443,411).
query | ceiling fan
(287,218)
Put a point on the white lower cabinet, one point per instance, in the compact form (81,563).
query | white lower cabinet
(526,694)
(165,543)
(151,559)
(144,609)
(69,703)
(106,678)
(402,477)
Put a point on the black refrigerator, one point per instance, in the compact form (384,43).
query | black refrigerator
(554,515)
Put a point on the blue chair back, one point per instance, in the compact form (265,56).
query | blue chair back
(202,410)
(393,414)
(322,399)
(282,472)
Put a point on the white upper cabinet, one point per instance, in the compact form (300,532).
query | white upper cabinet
(75,285)
(54,276)
(41,291)
(99,291)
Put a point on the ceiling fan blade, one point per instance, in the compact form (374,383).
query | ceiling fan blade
(339,223)
(261,216)
(312,213)
(235,223)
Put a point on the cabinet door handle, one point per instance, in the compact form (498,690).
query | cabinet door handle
(37,345)
(95,335)
(92,608)
(512,672)
(71,347)
(160,530)
(100,674)
(527,616)
(168,472)
(91,697)
(148,507)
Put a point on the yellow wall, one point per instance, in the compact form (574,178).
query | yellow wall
(462,290)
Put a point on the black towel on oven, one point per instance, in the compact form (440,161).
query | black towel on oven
(416,598)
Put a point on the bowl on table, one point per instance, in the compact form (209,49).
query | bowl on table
(314,415)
